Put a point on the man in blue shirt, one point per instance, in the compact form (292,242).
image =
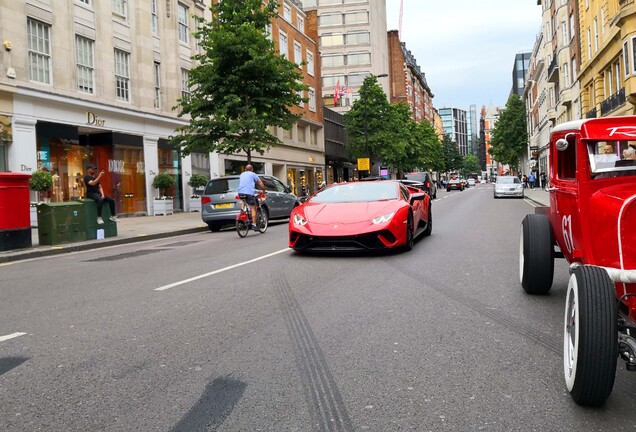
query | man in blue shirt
(247,188)
(531,179)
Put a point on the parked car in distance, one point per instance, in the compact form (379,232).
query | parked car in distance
(425,178)
(455,183)
(508,186)
(471,182)
(220,205)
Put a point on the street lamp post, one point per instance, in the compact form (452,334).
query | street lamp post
(366,125)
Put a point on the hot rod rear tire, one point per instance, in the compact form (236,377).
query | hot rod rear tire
(590,336)
(536,254)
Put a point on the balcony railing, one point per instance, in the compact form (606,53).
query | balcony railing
(553,75)
(591,113)
(614,101)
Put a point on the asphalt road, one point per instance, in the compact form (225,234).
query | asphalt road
(209,332)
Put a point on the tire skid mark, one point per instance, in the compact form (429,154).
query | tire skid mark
(538,338)
(327,407)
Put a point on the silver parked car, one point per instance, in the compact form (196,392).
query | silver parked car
(220,205)
(508,186)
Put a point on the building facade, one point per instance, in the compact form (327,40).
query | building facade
(353,45)
(519,71)
(408,82)
(455,123)
(608,52)
(95,82)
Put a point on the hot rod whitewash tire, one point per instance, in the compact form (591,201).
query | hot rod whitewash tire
(590,336)
(536,254)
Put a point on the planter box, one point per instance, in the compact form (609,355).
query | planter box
(162,207)
(195,204)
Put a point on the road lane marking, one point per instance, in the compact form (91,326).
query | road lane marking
(192,279)
(11,336)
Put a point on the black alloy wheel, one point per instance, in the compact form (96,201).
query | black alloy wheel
(409,233)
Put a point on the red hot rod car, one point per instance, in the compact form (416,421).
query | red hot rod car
(591,222)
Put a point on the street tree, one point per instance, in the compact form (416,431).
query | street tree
(366,123)
(453,160)
(240,86)
(471,165)
(510,136)
(433,149)
(403,149)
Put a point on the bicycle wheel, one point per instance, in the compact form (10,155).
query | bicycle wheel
(262,220)
(242,228)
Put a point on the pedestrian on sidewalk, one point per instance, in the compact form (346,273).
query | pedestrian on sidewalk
(543,178)
(525,181)
(531,180)
(95,192)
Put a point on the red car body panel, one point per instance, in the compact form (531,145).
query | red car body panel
(348,226)
(593,220)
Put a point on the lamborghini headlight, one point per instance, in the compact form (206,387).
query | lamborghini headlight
(299,220)
(382,219)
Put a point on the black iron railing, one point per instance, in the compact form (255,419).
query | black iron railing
(614,101)
(591,113)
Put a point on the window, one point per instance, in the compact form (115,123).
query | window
(617,73)
(572,30)
(122,75)
(301,133)
(282,44)
(595,34)
(358,38)
(602,21)
(184,28)
(330,2)
(120,7)
(356,79)
(332,60)
(332,39)
(287,13)
(154,23)
(312,100)
(626,58)
(564,29)
(157,74)
(310,63)
(566,74)
(85,64)
(298,54)
(85,1)
(300,24)
(573,69)
(330,19)
(357,17)
(589,44)
(626,54)
(313,136)
(361,58)
(287,133)
(185,84)
(39,35)
(331,80)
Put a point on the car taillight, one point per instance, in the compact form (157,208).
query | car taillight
(428,184)
(205,200)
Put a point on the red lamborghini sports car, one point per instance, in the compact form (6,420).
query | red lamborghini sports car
(361,216)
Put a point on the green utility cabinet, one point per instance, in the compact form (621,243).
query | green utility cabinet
(60,223)
(89,220)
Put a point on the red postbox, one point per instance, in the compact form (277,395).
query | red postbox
(15,221)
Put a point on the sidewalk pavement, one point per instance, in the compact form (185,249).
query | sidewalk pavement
(129,230)
(538,195)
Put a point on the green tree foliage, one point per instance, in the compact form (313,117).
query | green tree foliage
(241,85)
(510,136)
(471,165)
(366,121)
(433,148)
(453,160)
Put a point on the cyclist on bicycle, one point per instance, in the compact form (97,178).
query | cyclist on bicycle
(247,188)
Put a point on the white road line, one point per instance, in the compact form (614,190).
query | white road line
(11,336)
(530,202)
(185,281)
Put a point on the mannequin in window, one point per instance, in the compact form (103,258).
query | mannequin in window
(56,188)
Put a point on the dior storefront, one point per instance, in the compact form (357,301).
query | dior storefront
(64,135)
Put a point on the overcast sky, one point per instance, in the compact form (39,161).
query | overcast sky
(467,48)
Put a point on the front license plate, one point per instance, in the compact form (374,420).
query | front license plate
(228,205)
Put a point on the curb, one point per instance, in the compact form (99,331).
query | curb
(95,244)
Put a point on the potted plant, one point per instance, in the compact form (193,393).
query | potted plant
(197,181)
(163,205)
(41,182)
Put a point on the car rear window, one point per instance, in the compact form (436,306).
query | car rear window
(420,177)
(221,186)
